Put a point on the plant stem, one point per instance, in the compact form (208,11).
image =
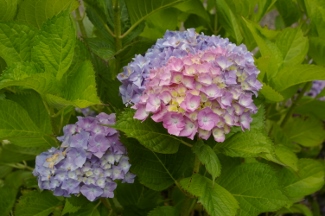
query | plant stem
(117,33)
(197,164)
(294,104)
(79,19)
(106,203)
(19,166)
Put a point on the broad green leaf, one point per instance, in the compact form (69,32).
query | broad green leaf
(80,86)
(308,179)
(306,131)
(284,156)
(316,12)
(317,50)
(149,133)
(87,210)
(258,121)
(54,45)
(4,170)
(208,157)
(15,42)
(36,12)
(267,48)
(17,127)
(13,154)
(141,9)
(159,171)
(270,94)
(295,208)
(138,197)
(311,107)
(255,186)
(36,203)
(228,20)
(244,8)
(164,211)
(101,47)
(215,199)
(262,8)
(20,71)
(18,178)
(7,199)
(69,208)
(251,143)
(194,7)
(289,11)
(293,45)
(35,108)
(8,10)
(3,65)
(293,75)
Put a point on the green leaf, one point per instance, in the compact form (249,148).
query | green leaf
(284,156)
(295,208)
(87,210)
(268,49)
(293,75)
(17,127)
(258,121)
(17,178)
(288,10)
(255,186)
(311,107)
(308,179)
(194,7)
(208,157)
(78,92)
(138,197)
(228,20)
(316,12)
(35,108)
(8,10)
(4,170)
(141,9)
(7,199)
(293,45)
(317,50)
(15,42)
(270,94)
(54,46)
(36,12)
(35,203)
(307,131)
(215,199)
(149,133)
(159,171)
(164,211)
(101,47)
(13,154)
(251,143)
(69,208)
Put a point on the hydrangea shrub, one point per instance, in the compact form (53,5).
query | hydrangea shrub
(219,106)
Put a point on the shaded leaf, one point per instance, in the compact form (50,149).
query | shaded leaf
(8,10)
(256,187)
(163,211)
(207,157)
(215,199)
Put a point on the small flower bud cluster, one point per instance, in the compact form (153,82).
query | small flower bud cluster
(90,158)
(193,84)
(316,88)
(86,111)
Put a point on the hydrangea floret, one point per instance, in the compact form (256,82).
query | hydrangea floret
(317,87)
(88,162)
(193,84)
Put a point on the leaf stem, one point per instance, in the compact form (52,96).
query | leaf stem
(20,166)
(294,104)
(197,163)
(79,19)
(117,25)
(106,203)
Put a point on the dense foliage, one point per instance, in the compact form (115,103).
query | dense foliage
(177,122)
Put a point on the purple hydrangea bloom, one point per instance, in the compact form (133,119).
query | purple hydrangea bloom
(317,87)
(88,161)
(193,84)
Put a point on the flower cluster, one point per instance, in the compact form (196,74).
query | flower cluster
(86,111)
(90,158)
(316,88)
(193,84)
